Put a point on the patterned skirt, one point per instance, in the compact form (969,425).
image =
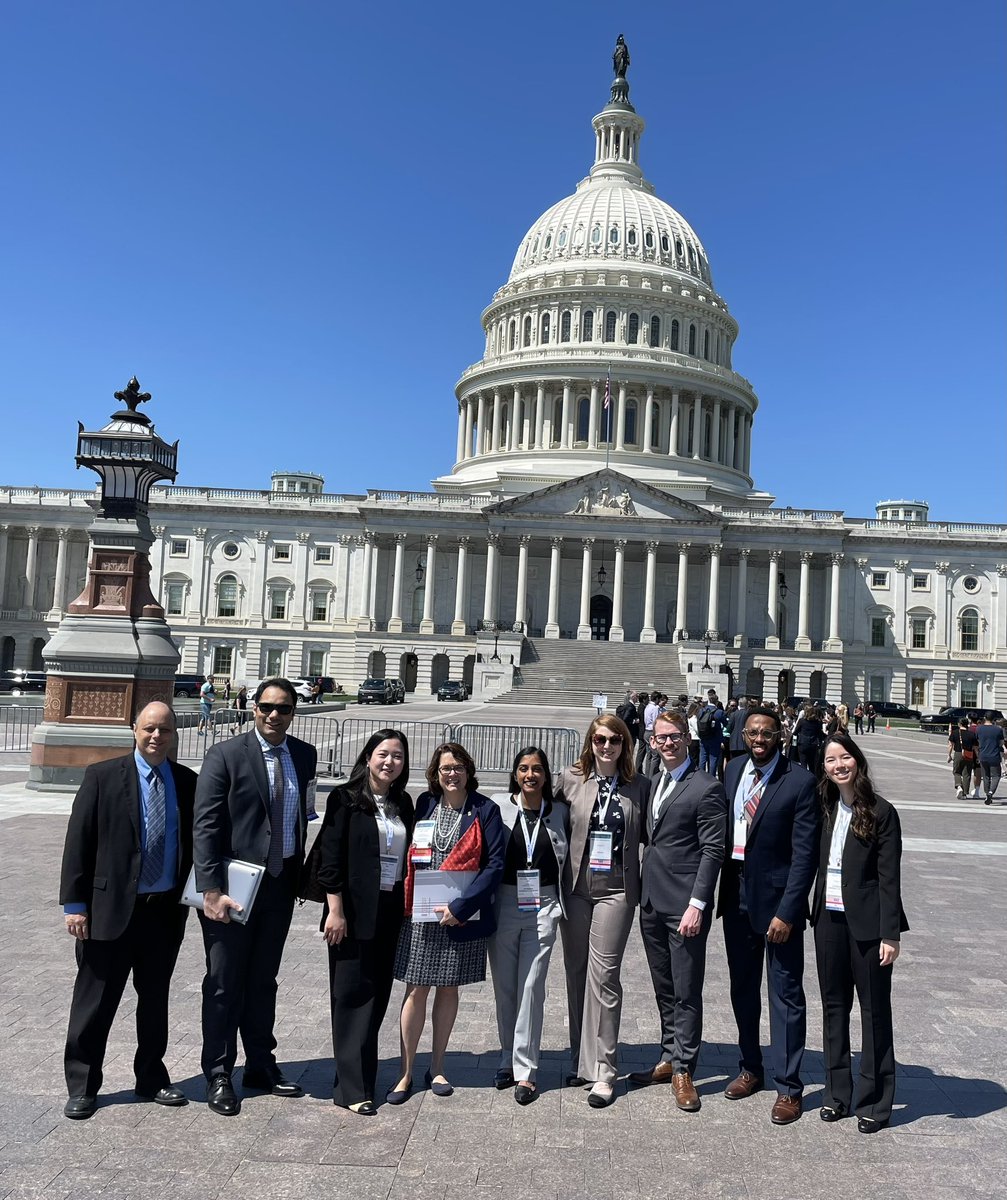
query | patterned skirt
(426,956)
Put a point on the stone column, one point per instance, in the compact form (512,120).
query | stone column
(521,599)
(460,450)
(773,600)
(834,642)
(395,614)
(540,418)
(30,571)
(697,426)
(481,425)
(515,420)
(555,563)
(427,624)
(592,420)
(673,436)
(682,598)
(732,412)
(620,419)
(366,543)
(713,599)
(566,439)
(458,626)
(803,641)
(715,432)
(59,587)
(616,632)
(1000,626)
(740,636)
(942,634)
(900,631)
(496,421)
(584,625)
(3,562)
(649,633)
(747,451)
(490,593)
(648,421)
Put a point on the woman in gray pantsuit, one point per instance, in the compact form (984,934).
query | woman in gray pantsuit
(529,905)
(601,889)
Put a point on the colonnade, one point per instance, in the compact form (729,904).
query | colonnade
(24,601)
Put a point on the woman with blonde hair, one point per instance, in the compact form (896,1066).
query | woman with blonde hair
(601,890)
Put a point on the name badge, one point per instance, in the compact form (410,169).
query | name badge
(312,790)
(389,870)
(600,851)
(740,837)
(529,892)
(834,890)
(422,849)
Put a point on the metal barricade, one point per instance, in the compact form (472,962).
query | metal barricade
(493,746)
(17,724)
(193,743)
(424,737)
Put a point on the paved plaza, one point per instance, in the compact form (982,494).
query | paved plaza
(948,1138)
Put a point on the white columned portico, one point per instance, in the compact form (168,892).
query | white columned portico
(616,632)
(584,625)
(490,593)
(521,599)
(773,601)
(649,633)
(713,598)
(30,570)
(427,623)
(835,642)
(682,598)
(59,585)
(395,613)
(740,636)
(555,563)
(803,641)
(461,587)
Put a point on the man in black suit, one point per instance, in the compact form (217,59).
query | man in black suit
(251,805)
(127,854)
(771,858)
(683,850)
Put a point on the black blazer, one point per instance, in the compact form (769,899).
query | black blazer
(350,859)
(102,855)
(231,818)
(683,850)
(871,877)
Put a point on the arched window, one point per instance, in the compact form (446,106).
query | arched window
(665,244)
(674,334)
(587,325)
(613,235)
(692,339)
(534,245)
(227,596)
(562,238)
(706,344)
(556,432)
(596,235)
(969,625)
(548,240)
(583,418)
(655,331)
(512,335)
(655,426)
(629,429)
(564,325)
(526,332)
(631,236)
(648,239)
(678,247)
(544,331)
(610,325)
(633,335)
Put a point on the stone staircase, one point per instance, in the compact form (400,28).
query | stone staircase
(569,673)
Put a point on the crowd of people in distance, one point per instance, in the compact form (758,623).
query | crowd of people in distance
(671,816)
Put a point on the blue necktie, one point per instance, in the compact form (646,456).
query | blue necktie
(153,858)
(274,860)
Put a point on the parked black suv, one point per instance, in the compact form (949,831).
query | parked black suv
(381,691)
(938,722)
(884,709)
(19,682)
(187,686)
(452,689)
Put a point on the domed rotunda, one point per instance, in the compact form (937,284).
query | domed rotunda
(608,345)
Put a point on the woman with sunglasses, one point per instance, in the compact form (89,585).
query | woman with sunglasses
(601,889)
(457,828)
(367,826)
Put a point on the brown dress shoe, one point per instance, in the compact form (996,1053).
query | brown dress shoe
(686,1096)
(745,1085)
(786,1109)
(664,1072)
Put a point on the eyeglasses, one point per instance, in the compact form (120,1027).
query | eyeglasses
(762,735)
(600,740)
(283,709)
(661,738)
(452,770)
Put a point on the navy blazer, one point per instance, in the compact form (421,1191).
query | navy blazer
(781,855)
(479,895)
(871,877)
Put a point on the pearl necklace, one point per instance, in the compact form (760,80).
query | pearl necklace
(446,831)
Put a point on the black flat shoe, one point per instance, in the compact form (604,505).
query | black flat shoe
(79,1108)
(170,1096)
(221,1097)
(438,1089)
(364,1109)
(867,1125)
(524,1094)
(503,1080)
(833,1113)
(271,1081)
(601,1099)
(574,1080)
(394,1097)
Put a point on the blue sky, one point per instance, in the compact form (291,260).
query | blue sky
(286,219)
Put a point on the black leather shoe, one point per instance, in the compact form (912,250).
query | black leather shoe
(574,1080)
(524,1094)
(503,1079)
(867,1125)
(221,1098)
(170,1096)
(833,1112)
(79,1108)
(271,1081)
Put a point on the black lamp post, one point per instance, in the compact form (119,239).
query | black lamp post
(496,643)
(419,570)
(706,640)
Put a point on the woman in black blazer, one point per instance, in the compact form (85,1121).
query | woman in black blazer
(367,828)
(858,918)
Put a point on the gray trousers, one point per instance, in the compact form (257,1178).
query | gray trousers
(595,933)
(991,776)
(519,954)
(677,969)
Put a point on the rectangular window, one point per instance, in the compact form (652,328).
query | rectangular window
(918,692)
(316,662)
(319,607)
(323,554)
(876,689)
(223,657)
(174,599)
(179,547)
(919,638)
(278,604)
(968,693)
(921,581)
(878,625)
(879,579)
(274,663)
(281,552)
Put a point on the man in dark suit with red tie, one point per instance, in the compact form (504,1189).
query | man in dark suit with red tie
(684,847)
(771,858)
(127,854)
(251,805)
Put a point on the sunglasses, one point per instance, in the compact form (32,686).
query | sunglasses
(614,740)
(283,709)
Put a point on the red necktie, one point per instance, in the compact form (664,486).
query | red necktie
(754,796)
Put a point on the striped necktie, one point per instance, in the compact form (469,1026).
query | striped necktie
(274,860)
(754,796)
(153,855)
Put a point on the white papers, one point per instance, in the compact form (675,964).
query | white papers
(242,885)
(435,889)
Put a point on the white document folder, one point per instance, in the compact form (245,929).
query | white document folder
(242,884)
(433,889)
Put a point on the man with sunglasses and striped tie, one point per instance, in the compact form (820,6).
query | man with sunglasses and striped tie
(251,805)
(770,863)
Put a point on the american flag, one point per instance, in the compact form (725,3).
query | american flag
(608,389)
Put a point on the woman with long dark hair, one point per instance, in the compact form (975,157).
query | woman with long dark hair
(367,827)
(858,918)
(601,890)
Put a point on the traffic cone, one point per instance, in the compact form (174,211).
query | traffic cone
(888,725)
